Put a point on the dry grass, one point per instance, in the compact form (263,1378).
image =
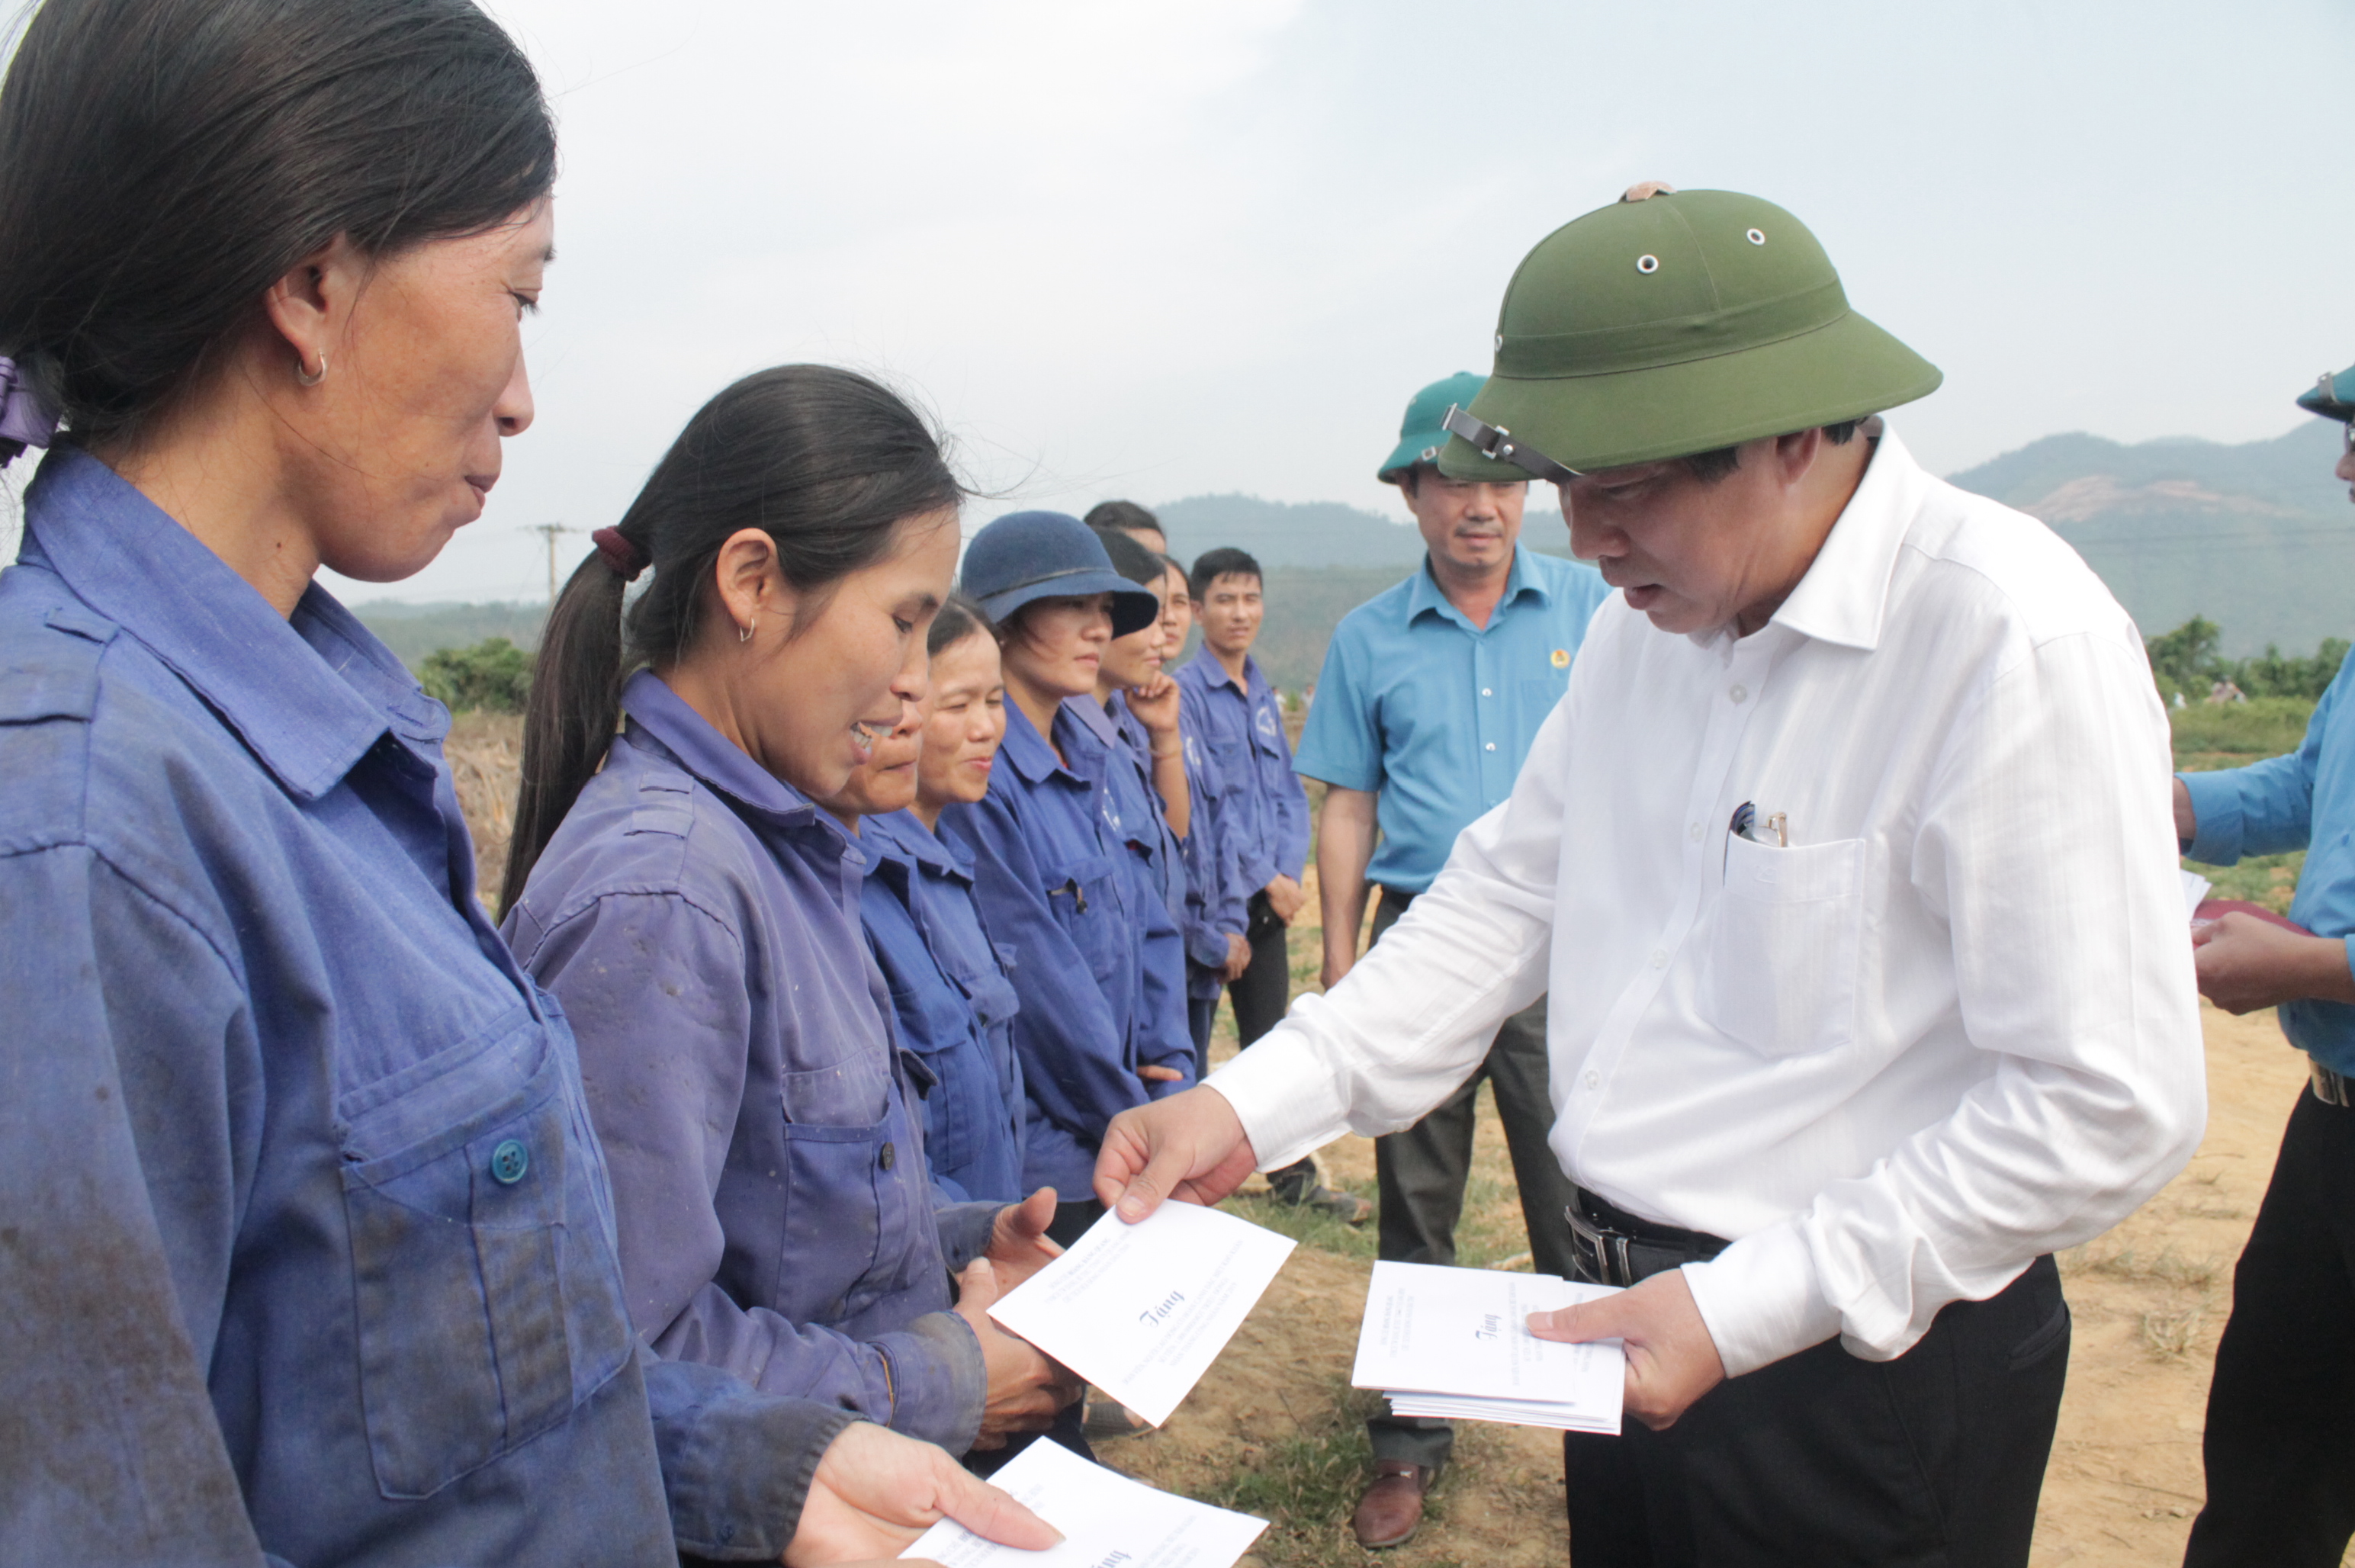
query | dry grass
(485,752)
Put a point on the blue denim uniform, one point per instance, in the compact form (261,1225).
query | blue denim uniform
(1217,904)
(2303,801)
(700,919)
(309,1247)
(953,1002)
(1265,808)
(1097,963)
(1118,744)
(1433,714)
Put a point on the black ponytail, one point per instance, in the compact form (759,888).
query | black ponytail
(825,461)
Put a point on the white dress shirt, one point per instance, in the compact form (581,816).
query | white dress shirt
(1951,1027)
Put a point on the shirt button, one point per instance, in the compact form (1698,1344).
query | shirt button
(1659,957)
(1693,833)
(1594,1079)
(1492,745)
(1485,692)
(509,1161)
(889,1157)
(1740,693)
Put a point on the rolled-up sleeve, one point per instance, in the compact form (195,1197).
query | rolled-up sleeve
(655,986)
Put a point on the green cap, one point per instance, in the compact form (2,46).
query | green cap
(2332,397)
(1681,324)
(1421,434)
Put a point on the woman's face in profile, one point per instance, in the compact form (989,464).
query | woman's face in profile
(965,720)
(1058,643)
(399,446)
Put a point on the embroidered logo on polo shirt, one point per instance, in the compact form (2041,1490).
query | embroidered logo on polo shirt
(1561,658)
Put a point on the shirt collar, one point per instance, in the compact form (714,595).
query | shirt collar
(711,756)
(1090,716)
(902,833)
(308,695)
(1218,675)
(1425,595)
(1025,750)
(1845,592)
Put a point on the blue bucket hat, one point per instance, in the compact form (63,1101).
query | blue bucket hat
(1025,556)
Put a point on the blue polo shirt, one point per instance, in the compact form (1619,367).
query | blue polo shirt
(1434,715)
(2303,801)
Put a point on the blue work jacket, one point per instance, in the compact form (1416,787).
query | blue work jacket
(1119,746)
(954,1004)
(1217,903)
(1434,715)
(1267,809)
(309,1251)
(2303,801)
(1097,963)
(700,919)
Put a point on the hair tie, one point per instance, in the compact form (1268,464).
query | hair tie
(621,553)
(25,414)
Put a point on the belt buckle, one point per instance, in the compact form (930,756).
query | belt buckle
(2331,1088)
(1607,1249)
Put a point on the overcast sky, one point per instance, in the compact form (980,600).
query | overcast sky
(1153,248)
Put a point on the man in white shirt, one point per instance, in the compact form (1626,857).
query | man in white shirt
(1857,901)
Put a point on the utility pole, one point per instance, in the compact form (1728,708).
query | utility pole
(551,532)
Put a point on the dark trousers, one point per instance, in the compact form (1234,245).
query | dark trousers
(1822,1458)
(2280,1443)
(1260,999)
(1201,1012)
(1265,989)
(1422,1172)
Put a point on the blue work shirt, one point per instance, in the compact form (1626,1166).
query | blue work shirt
(1097,963)
(1127,762)
(309,1247)
(1434,715)
(2302,801)
(1265,809)
(954,1004)
(1217,903)
(700,919)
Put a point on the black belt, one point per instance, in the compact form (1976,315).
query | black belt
(2331,1088)
(1614,1247)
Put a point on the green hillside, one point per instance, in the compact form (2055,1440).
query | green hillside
(2258,537)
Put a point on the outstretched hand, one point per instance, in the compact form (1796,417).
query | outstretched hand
(875,1492)
(1671,1360)
(1019,1243)
(1189,1147)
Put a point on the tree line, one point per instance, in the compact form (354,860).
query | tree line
(2188,661)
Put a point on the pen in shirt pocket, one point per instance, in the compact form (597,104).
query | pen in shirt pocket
(1775,831)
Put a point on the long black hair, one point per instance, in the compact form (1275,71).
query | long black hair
(823,459)
(164,161)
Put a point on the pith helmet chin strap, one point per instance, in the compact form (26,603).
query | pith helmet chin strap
(1496,442)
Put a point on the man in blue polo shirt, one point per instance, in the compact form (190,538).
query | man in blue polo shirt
(2279,1441)
(1430,697)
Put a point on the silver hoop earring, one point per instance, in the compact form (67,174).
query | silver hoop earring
(745,634)
(304,376)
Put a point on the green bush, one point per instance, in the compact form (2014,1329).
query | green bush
(493,676)
(2186,660)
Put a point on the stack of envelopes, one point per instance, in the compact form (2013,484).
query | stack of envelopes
(1454,1342)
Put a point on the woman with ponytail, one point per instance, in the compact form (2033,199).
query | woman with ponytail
(698,914)
(307,1253)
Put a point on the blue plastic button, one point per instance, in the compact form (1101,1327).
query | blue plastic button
(509,1161)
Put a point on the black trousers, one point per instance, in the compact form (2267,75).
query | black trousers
(2280,1441)
(1265,989)
(1822,1458)
(1423,1169)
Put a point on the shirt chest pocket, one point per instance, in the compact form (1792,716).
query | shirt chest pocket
(1081,897)
(489,1302)
(1787,937)
(851,1196)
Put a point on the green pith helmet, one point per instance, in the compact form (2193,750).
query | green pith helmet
(1421,434)
(1681,324)
(2332,397)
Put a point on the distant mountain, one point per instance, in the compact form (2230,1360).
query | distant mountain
(1280,533)
(2259,537)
